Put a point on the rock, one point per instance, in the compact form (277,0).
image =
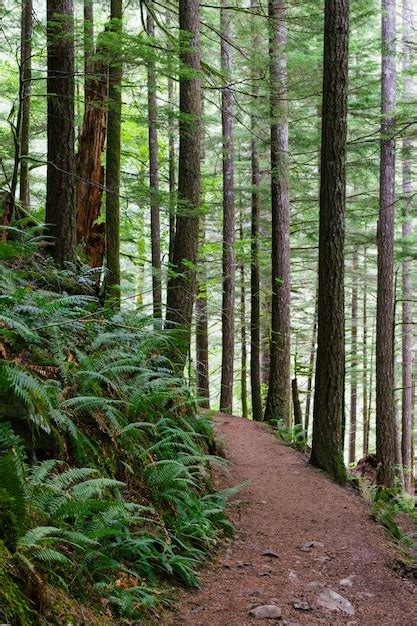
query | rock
(293,576)
(300,605)
(346,582)
(266,611)
(315,584)
(271,553)
(306,546)
(255,593)
(331,600)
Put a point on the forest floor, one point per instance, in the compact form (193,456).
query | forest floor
(299,539)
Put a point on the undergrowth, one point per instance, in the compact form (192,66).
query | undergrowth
(104,460)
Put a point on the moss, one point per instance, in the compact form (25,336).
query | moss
(8,522)
(14,607)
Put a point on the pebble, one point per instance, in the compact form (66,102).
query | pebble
(266,611)
(307,545)
(271,553)
(333,601)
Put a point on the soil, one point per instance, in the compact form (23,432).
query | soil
(319,537)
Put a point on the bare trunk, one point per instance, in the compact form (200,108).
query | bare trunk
(407,284)
(298,416)
(201,322)
(114,123)
(255,319)
(228,303)
(365,406)
(181,284)
(26,77)
(243,361)
(171,156)
(60,185)
(90,172)
(385,410)
(311,366)
(328,417)
(154,178)
(354,358)
(279,387)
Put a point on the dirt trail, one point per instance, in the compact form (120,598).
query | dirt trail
(288,503)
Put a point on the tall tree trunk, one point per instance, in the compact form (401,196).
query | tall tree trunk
(385,410)
(328,415)
(201,322)
(354,358)
(279,388)
(243,354)
(171,156)
(114,122)
(255,315)
(228,303)
(90,172)
(311,366)
(365,406)
(154,178)
(60,183)
(26,77)
(265,338)
(407,284)
(181,283)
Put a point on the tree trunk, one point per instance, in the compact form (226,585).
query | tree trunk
(311,366)
(365,409)
(407,284)
(154,178)
(354,358)
(181,283)
(201,322)
(243,360)
(279,388)
(298,416)
(60,185)
(265,338)
(114,122)
(171,156)
(328,415)
(90,172)
(228,303)
(26,77)
(255,319)
(385,410)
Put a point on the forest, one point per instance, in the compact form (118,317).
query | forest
(207,278)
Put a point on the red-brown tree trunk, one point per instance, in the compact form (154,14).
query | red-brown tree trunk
(181,283)
(60,183)
(328,415)
(228,301)
(279,387)
(385,410)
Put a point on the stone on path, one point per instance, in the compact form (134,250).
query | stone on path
(266,611)
(333,601)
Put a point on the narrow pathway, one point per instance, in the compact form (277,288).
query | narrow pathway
(298,536)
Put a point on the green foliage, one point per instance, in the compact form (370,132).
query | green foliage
(294,436)
(119,497)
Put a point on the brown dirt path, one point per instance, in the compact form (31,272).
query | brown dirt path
(288,503)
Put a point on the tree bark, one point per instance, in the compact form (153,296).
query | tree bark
(354,358)
(26,77)
(243,354)
(406,269)
(255,319)
(328,415)
(181,283)
(385,410)
(279,387)
(228,301)
(90,172)
(154,178)
(114,122)
(171,156)
(60,184)
(365,405)
(298,416)
(201,321)
(311,366)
